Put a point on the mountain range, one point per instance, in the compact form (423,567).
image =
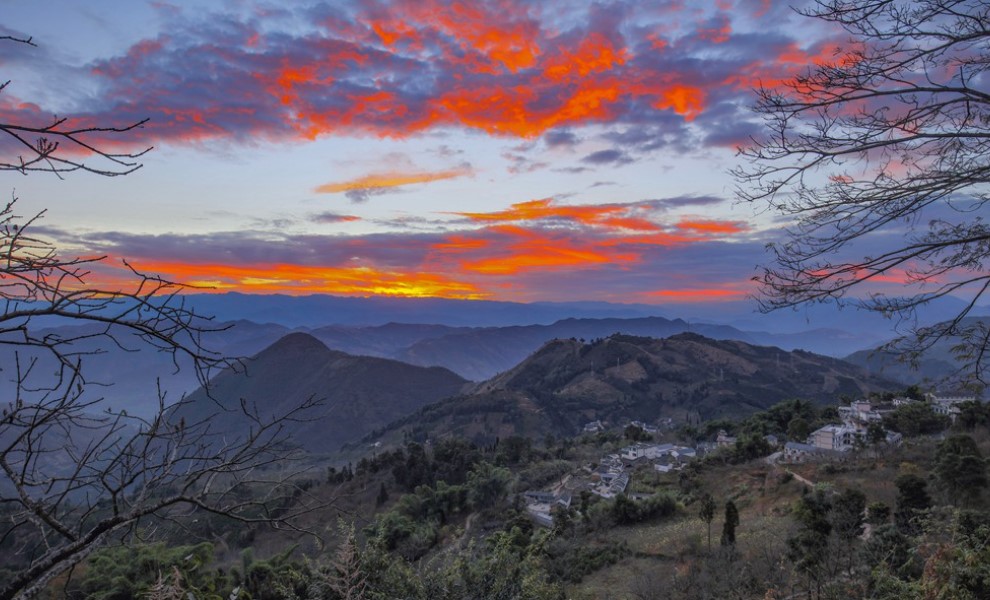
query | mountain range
(129,375)
(319,310)
(560,387)
(686,377)
(461,338)
(939,365)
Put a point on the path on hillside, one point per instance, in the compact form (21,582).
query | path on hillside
(803,480)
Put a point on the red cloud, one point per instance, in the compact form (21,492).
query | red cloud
(712,227)
(397,68)
(527,248)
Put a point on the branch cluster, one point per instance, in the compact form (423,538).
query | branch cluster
(59,145)
(891,136)
(73,473)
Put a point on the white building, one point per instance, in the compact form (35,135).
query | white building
(835,437)
(948,405)
(594,427)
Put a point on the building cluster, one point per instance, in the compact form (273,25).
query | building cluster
(948,406)
(540,504)
(833,441)
(663,457)
(611,476)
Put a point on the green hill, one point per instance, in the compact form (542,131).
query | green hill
(568,383)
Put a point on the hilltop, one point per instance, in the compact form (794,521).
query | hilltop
(685,377)
(358,393)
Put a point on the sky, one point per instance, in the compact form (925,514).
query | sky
(505,149)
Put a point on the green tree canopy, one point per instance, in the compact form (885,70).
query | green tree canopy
(961,468)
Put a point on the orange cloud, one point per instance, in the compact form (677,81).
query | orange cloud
(456,243)
(616,236)
(513,110)
(524,250)
(484,38)
(509,41)
(398,68)
(304,279)
(389,180)
(533,210)
(709,226)
(594,54)
(685,100)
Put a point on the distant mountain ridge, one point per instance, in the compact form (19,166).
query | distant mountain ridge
(567,383)
(475,353)
(320,310)
(938,365)
(480,353)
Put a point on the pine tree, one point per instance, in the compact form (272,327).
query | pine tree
(731,522)
(707,514)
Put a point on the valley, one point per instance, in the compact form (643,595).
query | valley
(577,472)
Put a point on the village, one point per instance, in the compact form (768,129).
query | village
(860,427)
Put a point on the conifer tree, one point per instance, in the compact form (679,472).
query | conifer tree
(707,514)
(731,522)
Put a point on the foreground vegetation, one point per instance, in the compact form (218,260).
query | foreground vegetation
(447,520)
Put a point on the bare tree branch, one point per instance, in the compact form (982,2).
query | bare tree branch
(892,132)
(57,145)
(74,473)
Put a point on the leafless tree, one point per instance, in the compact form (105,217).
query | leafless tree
(72,478)
(61,145)
(893,134)
(75,474)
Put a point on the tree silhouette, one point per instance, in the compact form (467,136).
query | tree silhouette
(74,474)
(62,145)
(730,524)
(707,514)
(961,469)
(893,133)
(912,501)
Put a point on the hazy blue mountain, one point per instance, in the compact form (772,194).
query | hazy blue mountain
(938,366)
(358,393)
(387,340)
(481,353)
(321,310)
(129,375)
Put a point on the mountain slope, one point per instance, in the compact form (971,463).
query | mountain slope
(567,383)
(129,374)
(937,365)
(359,393)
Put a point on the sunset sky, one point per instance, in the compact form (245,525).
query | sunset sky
(508,149)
